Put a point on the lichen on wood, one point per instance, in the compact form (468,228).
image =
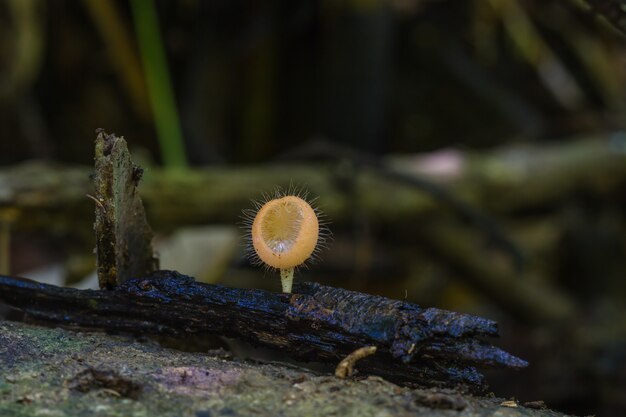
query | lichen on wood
(123,236)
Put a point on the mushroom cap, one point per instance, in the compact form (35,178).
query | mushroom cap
(285,232)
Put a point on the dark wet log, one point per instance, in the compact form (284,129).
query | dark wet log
(425,346)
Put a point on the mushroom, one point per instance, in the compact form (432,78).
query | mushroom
(285,233)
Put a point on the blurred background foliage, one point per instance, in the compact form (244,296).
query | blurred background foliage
(470,153)
(250,81)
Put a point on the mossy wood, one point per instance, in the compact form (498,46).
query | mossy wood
(56,372)
(426,346)
(123,236)
(500,181)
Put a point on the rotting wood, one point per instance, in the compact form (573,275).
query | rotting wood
(315,323)
(123,236)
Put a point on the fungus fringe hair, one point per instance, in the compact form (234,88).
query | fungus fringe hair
(284,231)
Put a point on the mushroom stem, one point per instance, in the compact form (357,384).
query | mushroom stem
(286,278)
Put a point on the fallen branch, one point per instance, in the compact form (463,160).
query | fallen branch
(317,323)
(502,181)
(456,248)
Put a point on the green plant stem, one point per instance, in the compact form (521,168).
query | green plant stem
(159,85)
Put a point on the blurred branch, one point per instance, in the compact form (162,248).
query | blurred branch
(512,106)
(159,85)
(530,300)
(119,42)
(500,181)
(531,45)
(596,55)
(614,11)
(421,183)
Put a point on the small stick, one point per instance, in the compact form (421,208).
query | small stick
(346,366)
(98,202)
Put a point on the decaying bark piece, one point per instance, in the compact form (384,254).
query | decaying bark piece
(317,323)
(123,236)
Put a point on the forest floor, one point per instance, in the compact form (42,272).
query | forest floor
(56,372)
